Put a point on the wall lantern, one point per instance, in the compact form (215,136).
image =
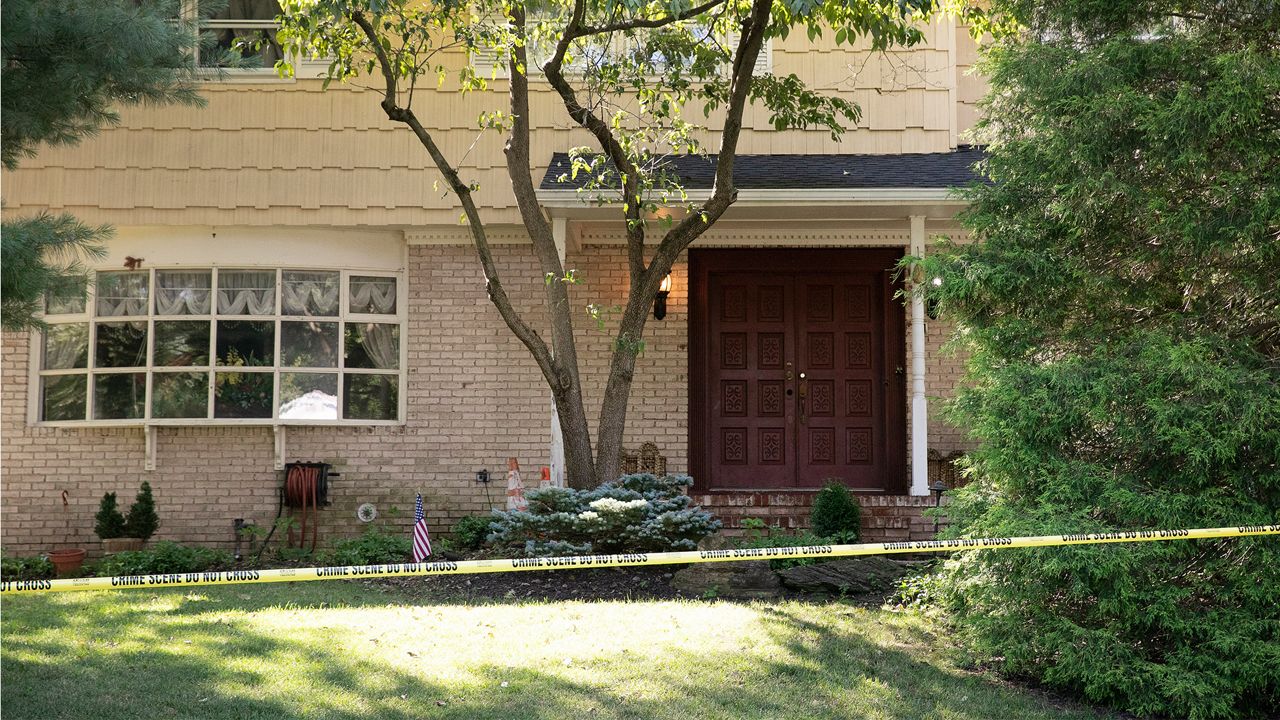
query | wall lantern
(660,300)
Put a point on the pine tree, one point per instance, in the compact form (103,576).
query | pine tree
(109,522)
(142,521)
(1120,304)
(67,65)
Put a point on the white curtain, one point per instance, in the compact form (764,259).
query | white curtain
(247,292)
(65,346)
(183,293)
(373,295)
(382,343)
(122,294)
(310,293)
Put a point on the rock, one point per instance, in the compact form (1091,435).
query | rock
(745,579)
(849,576)
(741,579)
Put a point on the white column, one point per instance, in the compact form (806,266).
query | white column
(559,231)
(919,405)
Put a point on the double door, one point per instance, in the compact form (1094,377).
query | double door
(798,370)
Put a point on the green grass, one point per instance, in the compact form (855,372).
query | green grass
(348,650)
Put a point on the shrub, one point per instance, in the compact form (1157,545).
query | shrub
(165,557)
(142,522)
(36,567)
(472,532)
(372,548)
(635,513)
(836,514)
(109,522)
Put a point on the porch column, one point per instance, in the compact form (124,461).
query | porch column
(559,231)
(919,405)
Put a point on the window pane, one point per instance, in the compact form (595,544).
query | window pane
(373,295)
(246,342)
(243,46)
(308,396)
(121,345)
(63,397)
(66,346)
(119,396)
(183,293)
(180,395)
(122,293)
(182,342)
(310,293)
(309,344)
(373,345)
(370,397)
(247,292)
(242,395)
(67,297)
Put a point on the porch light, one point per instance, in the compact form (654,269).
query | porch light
(660,300)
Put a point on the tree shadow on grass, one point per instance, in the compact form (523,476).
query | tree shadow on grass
(176,654)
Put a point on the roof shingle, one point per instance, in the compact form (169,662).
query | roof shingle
(818,172)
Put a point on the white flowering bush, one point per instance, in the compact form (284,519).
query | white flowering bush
(635,513)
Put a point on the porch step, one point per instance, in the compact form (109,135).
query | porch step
(885,518)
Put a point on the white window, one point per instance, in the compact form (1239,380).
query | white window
(245,30)
(232,345)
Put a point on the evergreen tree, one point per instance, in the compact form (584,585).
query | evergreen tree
(142,521)
(1121,305)
(109,522)
(67,64)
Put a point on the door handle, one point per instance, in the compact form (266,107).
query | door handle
(804,393)
(790,375)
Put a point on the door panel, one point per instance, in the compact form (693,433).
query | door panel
(750,432)
(760,318)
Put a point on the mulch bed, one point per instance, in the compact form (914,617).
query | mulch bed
(553,585)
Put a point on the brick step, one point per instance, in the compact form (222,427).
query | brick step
(885,518)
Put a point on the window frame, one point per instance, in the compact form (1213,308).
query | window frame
(211,369)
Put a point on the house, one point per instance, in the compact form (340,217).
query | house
(286,283)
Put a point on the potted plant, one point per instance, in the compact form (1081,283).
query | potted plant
(66,562)
(120,532)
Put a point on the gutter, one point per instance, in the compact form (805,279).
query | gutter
(789,197)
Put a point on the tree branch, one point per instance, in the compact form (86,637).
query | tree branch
(627,171)
(521,329)
(636,24)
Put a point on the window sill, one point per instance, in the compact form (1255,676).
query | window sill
(224,423)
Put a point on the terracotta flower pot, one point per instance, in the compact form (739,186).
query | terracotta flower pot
(115,545)
(66,561)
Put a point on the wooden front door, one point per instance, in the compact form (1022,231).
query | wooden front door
(796,370)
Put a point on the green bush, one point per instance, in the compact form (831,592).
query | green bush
(142,521)
(472,532)
(836,515)
(165,557)
(36,567)
(372,548)
(635,513)
(109,522)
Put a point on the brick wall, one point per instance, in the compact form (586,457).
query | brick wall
(885,518)
(474,398)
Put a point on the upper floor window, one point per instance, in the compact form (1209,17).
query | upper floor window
(225,344)
(239,36)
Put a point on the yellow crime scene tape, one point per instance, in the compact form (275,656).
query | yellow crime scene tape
(466,567)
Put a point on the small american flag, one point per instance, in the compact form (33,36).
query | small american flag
(421,538)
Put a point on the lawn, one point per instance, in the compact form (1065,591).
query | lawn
(357,650)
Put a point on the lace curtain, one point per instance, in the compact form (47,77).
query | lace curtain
(376,295)
(310,293)
(382,343)
(183,293)
(66,346)
(122,294)
(247,292)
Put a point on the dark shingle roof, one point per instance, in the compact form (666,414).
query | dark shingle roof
(819,172)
